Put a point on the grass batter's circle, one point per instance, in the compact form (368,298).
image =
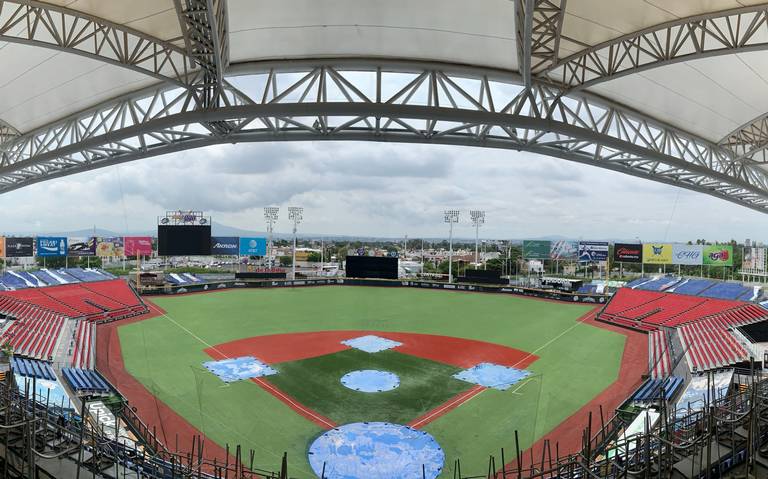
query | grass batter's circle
(370,381)
(376,450)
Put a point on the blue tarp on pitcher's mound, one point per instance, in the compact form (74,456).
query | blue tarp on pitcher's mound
(376,450)
(370,381)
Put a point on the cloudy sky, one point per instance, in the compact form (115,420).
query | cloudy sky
(379,190)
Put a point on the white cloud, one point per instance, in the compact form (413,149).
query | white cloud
(378,189)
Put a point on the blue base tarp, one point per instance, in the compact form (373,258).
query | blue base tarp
(492,376)
(376,450)
(371,343)
(246,367)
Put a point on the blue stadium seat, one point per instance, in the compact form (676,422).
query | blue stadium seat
(726,291)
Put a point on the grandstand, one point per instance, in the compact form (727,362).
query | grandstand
(703,325)
(37,317)
(697,287)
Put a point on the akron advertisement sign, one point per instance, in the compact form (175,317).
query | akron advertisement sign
(48,246)
(627,253)
(687,254)
(657,253)
(225,245)
(593,251)
(718,255)
(535,249)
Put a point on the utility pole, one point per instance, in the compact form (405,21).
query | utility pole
(295,214)
(451,217)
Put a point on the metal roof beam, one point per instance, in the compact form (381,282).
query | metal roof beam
(464,106)
(750,140)
(205,26)
(30,22)
(539,24)
(720,33)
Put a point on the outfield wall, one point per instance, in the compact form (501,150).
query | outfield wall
(517,290)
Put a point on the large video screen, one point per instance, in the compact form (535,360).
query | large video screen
(371,267)
(183,240)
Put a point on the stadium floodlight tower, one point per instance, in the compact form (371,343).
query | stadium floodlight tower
(295,214)
(478,219)
(270,214)
(451,217)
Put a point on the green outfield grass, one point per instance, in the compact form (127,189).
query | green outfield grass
(577,361)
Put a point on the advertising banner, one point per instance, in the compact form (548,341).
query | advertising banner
(687,254)
(718,255)
(138,246)
(593,251)
(657,253)
(225,245)
(563,250)
(19,247)
(81,246)
(253,246)
(2,246)
(51,246)
(627,253)
(534,249)
(110,247)
(754,259)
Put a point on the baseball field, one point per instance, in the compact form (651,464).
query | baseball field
(299,334)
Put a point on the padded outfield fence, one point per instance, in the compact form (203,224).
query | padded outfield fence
(552,294)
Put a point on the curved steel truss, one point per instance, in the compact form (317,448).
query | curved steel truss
(749,141)
(720,33)
(49,26)
(381,101)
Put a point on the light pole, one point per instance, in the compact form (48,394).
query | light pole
(451,217)
(295,214)
(478,218)
(270,215)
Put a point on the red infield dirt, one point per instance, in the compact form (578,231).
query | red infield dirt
(459,352)
(566,437)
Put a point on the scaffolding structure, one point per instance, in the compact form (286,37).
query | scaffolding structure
(724,437)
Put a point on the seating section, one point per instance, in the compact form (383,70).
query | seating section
(36,335)
(659,284)
(13,280)
(694,287)
(728,291)
(656,389)
(709,345)
(648,310)
(83,354)
(97,301)
(588,289)
(32,369)
(182,278)
(85,381)
(659,357)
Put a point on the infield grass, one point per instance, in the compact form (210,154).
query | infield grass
(576,362)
